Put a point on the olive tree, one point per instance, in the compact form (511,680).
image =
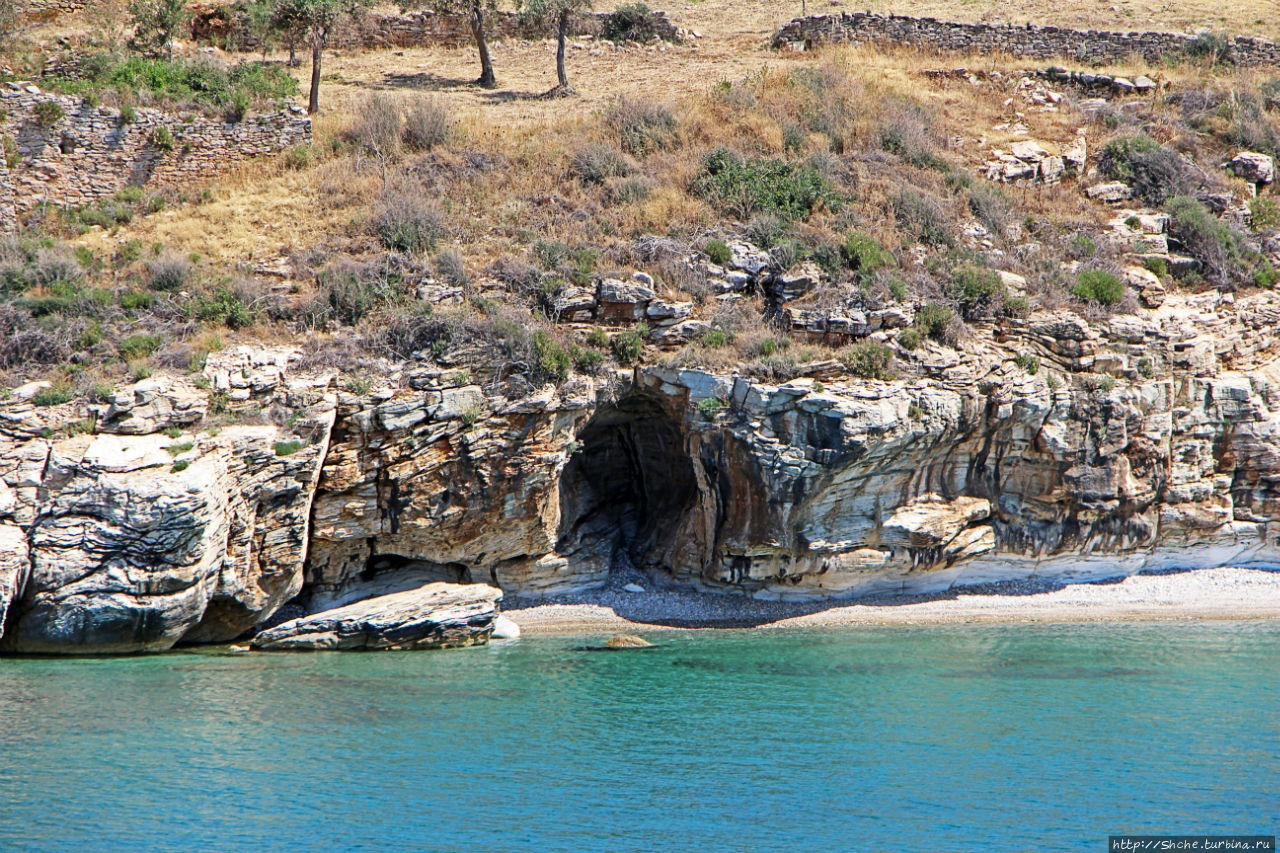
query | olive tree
(318,19)
(559,12)
(156,23)
(474,10)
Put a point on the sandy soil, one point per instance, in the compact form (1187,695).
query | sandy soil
(1211,594)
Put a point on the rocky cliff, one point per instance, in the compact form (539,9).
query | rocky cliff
(192,511)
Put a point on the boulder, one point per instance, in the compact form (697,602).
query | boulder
(436,616)
(153,405)
(130,552)
(1111,191)
(575,304)
(1253,167)
(796,282)
(622,301)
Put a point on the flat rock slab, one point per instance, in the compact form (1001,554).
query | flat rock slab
(435,616)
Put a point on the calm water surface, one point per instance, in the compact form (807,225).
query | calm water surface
(947,738)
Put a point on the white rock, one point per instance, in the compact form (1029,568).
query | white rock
(505,629)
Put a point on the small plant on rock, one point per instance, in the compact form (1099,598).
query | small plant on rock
(1098,286)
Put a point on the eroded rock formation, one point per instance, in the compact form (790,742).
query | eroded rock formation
(1142,442)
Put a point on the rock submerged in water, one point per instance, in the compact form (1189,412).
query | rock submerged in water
(436,616)
(627,641)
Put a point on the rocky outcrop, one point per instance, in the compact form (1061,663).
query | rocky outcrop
(435,616)
(1139,441)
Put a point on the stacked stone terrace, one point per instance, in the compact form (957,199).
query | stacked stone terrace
(64,151)
(1095,47)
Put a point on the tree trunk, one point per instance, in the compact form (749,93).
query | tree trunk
(487,78)
(293,51)
(562,35)
(317,51)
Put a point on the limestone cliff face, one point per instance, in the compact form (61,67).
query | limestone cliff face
(968,469)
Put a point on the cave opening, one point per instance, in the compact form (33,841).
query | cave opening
(627,489)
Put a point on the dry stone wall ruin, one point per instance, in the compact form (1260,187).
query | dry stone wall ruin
(1094,47)
(64,151)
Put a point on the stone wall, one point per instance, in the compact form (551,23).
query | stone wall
(1090,46)
(418,29)
(38,9)
(79,153)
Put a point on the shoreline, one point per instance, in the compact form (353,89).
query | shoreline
(1195,595)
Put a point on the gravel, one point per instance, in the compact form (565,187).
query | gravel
(1200,594)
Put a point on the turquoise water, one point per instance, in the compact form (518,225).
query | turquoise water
(948,738)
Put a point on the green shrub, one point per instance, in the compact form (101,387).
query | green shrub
(12,156)
(179,448)
(1210,46)
(718,251)
(1082,246)
(1265,276)
(710,408)
(162,139)
(627,347)
(298,157)
(223,306)
(180,465)
(598,337)
(133,300)
(586,360)
(198,82)
(1219,247)
(863,254)
(869,360)
(54,395)
(48,113)
(1146,368)
(140,346)
(288,448)
(909,338)
(1159,266)
(1154,172)
(1028,362)
(717,338)
(553,359)
(1265,214)
(1098,286)
(979,291)
(551,253)
(742,187)
(933,320)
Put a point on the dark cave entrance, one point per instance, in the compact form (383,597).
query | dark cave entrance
(628,487)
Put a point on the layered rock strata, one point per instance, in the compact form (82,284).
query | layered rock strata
(1142,441)
(435,616)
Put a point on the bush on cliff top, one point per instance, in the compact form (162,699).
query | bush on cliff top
(200,82)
